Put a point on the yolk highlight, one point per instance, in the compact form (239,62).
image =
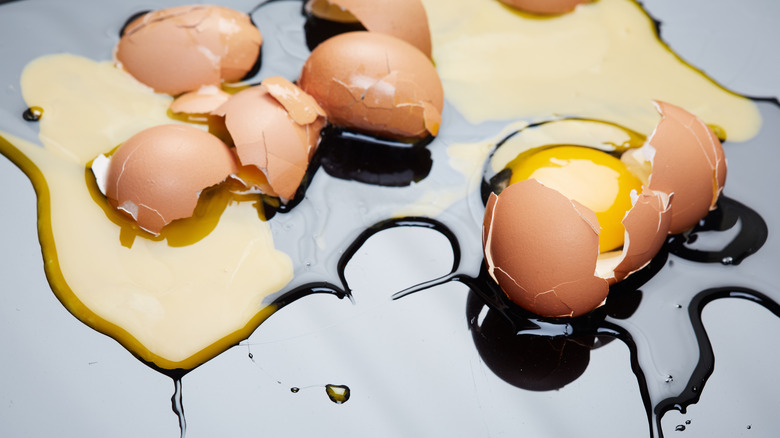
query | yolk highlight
(593,178)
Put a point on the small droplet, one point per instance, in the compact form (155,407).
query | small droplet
(695,388)
(749,427)
(679,428)
(669,378)
(295,389)
(251,356)
(727,260)
(687,421)
(337,393)
(32,114)
(679,306)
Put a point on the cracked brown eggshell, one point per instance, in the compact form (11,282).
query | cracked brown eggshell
(686,159)
(545,7)
(201,101)
(275,128)
(404,19)
(542,249)
(157,175)
(375,83)
(182,48)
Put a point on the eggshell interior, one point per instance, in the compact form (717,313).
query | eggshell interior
(157,175)
(213,42)
(375,83)
(202,101)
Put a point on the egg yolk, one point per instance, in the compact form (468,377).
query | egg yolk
(593,178)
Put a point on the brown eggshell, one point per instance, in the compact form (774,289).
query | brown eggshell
(404,19)
(647,225)
(275,127)
(375,83)
(546,7)
(202,101)
(182,48)
(156,176)
(689,162)
(542,249)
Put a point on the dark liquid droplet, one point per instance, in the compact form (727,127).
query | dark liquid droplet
(337,393)
(178,407)
(32,114)
(251,356)
(679,428)
(295,389)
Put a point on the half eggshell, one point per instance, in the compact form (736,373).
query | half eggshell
(275,127)
(182,48)
(157,175)
(375,83)
(542,248)
(546,7)
(684,158)
(404,19)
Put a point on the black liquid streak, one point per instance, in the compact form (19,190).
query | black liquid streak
(178,407)
(706,363)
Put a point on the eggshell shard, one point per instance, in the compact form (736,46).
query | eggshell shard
(687,159)
(542,249)
(404,19)
(546,7)
(647,225)
(202,101)
(380,85)
(157,175)
(182,48)
(275,127)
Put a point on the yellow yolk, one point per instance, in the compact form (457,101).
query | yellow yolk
(593,178)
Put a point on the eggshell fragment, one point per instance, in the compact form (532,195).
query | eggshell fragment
(404,19)
(275,127)
(542,250)
(547,7)
(375,83)
(202,101)
(157,175)
(647,225)
(686,159)
(182,48)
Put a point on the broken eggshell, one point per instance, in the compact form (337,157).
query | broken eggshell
(182,48)
(157,175)
(545,7)
(683,156)
(542,248)
(201,101)
(404,19)
(375,83)
(275,127)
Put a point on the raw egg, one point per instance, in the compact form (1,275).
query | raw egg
(275,127)
(183,48)
(375,83)
(157,175)
(574,220)
(546,7)
(404,19)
